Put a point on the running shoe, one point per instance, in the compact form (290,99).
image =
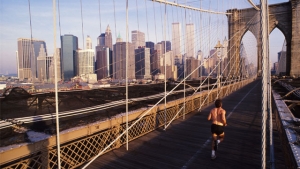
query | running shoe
(213,157)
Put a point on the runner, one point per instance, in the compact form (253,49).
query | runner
(218,118)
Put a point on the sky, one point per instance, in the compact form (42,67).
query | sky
(17,22)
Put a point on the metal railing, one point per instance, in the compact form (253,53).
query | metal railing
(282,116)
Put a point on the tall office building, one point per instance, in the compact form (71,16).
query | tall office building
(191,65)
(41,65)
(108,38)
(104,55)
(170,67)
(155,61)
(224,49)
(142,63)
(52,66)
(119,39)
(17,59)
(28,51)
(49,60)
(85,61)
(166,46)
(200,59)
(119,61)
(176,41)
(69,45)
(101,40)
(225,59)
(138,39)
(88,42)
(104,63)
(150,45)
(190,40)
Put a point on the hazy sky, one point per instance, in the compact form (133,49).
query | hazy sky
(148,18)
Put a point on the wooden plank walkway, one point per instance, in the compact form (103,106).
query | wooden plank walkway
(187,143)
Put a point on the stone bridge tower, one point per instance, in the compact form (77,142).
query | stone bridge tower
(284,16)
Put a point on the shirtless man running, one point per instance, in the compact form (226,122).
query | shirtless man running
(217,116)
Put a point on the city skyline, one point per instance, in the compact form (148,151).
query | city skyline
(15,24)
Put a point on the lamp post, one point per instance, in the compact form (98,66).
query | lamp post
(218,47)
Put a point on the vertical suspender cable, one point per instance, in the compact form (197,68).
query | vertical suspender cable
(272,164)
(209,57)
(184,67)
(184,59)
(154,21)
(165,48)
(137,18)
(55,83)
(200,99)
(147,21)
(82,25)
(31,51)
(99,16)
(264,47)
(126,74)
(61,73)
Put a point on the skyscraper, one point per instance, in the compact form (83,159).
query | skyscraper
(104,55)
(86,61)
(28,51)
(150,45)
(69,45)
(166,47)
(142,63)
(119,38)
(108,37)
(190,40)
(58,67)
(176,41)
(101,40)
(104,62)
(191,65)
(119,61)
(41,65)
(225,56)
(138,39)
(158,55)
(88,42)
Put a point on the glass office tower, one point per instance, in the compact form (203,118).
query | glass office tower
(69,45)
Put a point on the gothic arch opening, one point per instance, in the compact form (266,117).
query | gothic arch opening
(277,52)
(248,50)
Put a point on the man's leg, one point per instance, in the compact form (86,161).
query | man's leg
(214,138)
(221,136)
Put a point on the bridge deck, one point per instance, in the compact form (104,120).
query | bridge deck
(187,143)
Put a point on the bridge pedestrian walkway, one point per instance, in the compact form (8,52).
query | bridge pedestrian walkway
(186,144)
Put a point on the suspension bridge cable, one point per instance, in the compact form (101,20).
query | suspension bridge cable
(126,82)
(272,164)
(56,92)
(31,61)
(188,7)
(82,25)
(99,9)
(165,71)
(147,20)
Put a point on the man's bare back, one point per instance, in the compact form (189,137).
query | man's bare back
(217,116)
